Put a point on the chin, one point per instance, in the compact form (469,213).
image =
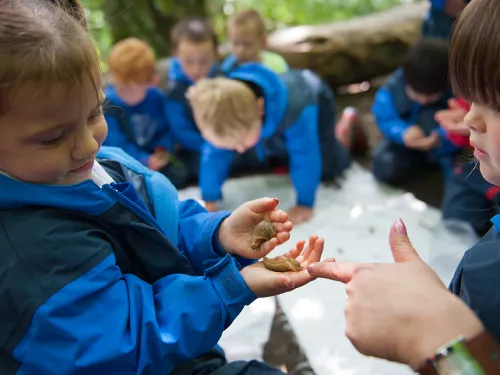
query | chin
(490,174)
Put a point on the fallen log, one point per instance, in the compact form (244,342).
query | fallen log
(355,50)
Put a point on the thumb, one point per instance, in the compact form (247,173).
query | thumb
(263,205)
(402,249)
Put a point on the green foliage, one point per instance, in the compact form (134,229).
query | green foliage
(278,13)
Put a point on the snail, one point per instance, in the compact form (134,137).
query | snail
(263,232)
(283,265)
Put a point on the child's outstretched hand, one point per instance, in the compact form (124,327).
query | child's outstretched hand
(236,232)
(266,283)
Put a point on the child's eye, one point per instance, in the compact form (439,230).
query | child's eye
(95,116)
(52,141)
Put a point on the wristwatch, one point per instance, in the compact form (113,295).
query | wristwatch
(478,356)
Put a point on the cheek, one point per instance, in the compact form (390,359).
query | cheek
(101,131)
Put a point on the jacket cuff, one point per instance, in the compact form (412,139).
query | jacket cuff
(231,287)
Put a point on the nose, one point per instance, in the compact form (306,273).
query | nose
(474,120)
(85,146)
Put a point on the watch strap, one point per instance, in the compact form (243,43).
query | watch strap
(483,349)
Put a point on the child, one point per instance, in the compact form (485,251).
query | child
(404,110)
(248,38)
(474,72)
(103,270)
(194,44)
(468,197)
(135,110)
(441,17)
(262,115)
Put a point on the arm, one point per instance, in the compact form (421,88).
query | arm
(214,169)
(105,321)
(304,151)
(199,236)
(387,118)
(116,138)
(165,137)
(183,128)
(446,145)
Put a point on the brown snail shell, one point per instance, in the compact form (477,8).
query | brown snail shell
(263,232)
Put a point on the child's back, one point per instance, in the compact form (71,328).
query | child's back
(263,115)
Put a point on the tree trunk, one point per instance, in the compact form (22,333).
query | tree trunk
(355,50)
(150,20)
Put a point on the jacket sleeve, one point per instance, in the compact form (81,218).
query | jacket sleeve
(447,146)
(183,129)
(214,170)
(199,236)
(116,138)
(304,150)
(165,136)
(387,118)
(108,322)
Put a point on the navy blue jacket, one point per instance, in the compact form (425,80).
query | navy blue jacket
(179,112)
(123,279)
(290,126)
(395,112)
(138,130)
(477,279)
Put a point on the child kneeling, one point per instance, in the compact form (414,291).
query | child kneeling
(261,115)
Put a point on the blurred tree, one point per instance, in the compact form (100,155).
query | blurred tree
(150,20)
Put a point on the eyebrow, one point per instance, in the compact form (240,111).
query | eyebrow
(56,128)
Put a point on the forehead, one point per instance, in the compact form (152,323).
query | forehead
(37,107)
(187,47)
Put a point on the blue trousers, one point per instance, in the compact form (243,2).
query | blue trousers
(214,363)
(395,164)
(470,198)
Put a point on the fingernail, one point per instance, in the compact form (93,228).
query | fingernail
(400,227)
(330,260)
(311,268)
(290,284)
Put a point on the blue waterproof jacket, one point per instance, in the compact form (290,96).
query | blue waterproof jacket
(123,279)
(290,126)
(139,129)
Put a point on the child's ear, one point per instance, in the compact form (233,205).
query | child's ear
(260,106)
(155,81)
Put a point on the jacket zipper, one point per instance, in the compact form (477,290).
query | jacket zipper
(133,206)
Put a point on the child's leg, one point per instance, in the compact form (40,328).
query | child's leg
(191,161)
(466,198)
(177,173)
(395,164)
(335,157)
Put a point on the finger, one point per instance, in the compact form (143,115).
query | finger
(278,216)
(294,253)
(315,255)
(263,205)
(310,246)
(453,103)
(402,249)
(283,227)
(300,278)
(281,237)
(342,272)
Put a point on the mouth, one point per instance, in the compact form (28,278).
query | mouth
(478,153)
(87,167)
